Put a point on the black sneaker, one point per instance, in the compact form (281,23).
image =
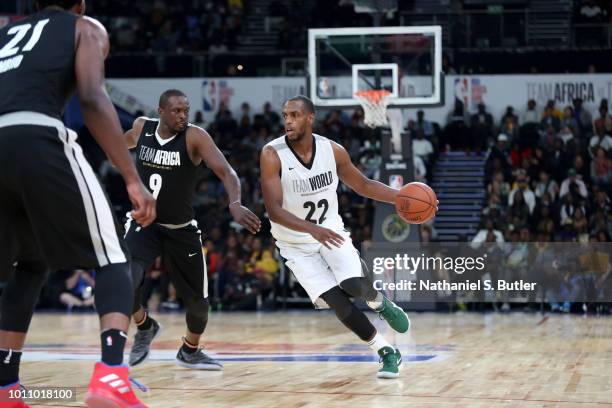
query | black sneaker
(198,361)
(142,343)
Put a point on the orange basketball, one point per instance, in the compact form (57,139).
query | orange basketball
(416,203)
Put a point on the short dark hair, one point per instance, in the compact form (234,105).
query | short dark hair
(65,4)
(305,100)
(163,99)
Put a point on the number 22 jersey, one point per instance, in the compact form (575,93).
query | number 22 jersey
(309,189)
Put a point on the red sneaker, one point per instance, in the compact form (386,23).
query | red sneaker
(110,387)
(10,396)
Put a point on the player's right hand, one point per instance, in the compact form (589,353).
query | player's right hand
(326,237)
(143,203)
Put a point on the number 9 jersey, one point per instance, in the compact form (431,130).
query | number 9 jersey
(309,189)
(166,169)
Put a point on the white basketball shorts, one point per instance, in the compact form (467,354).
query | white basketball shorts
(319,269)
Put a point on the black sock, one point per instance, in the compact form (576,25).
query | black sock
(113,343)
(188,347)
(9,366)
(146,324)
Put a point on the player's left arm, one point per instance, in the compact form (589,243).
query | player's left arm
(352,177)
(203,147)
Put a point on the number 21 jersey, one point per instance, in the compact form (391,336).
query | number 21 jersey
(309,189)
(37,63)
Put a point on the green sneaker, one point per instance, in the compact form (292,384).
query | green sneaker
(395,316)
(391,360)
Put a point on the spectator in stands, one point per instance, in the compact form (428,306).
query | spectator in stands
(499,186)
(481,235)
(240,289)
(73,288)
(557,160)
(580,225)
(482,127)
(425,125)
(568,119)
(582,116)
(499,151)
(547,139)
(604,120)
(546,185)
(568,208)
(509,124)
(601,168)
(333,125)
(420,171)
(527,195)
(199,119)
(422,147)
(245,110)
(600,139)
(551,116)
(270,117)
(582,171)
(531,116)
(518,212)
(566,134)
(456,134)
(543,220)
(495,212)
(571,182)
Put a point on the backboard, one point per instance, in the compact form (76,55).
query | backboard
(406,61)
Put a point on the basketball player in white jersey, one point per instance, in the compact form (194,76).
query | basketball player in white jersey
(299,178)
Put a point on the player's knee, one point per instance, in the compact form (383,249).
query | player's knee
(196,314)
(114,290)
(137,272)
(197,307)
(21,294)
(338,302)
(358,287)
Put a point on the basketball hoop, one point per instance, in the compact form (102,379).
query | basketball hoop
(374,103)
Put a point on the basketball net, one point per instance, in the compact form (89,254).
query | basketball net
(374,103)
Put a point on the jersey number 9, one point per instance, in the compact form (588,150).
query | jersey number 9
(155,184)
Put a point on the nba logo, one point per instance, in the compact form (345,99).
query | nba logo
(396,181)
(324,88)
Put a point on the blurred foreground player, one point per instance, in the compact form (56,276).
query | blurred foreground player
(299,178)
(53,210)
(169,151)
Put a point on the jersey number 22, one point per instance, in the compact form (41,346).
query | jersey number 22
(312,207)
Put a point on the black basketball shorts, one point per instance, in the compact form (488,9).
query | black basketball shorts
(180,249)
(52,205)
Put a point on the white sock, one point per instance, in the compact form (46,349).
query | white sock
(376,304)
(379,342)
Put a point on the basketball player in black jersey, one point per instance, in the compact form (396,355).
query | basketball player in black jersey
(53,211)
(169,151)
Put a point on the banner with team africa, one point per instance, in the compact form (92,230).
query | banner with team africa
(552,272)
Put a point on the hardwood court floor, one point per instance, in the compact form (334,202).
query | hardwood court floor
(307,359)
